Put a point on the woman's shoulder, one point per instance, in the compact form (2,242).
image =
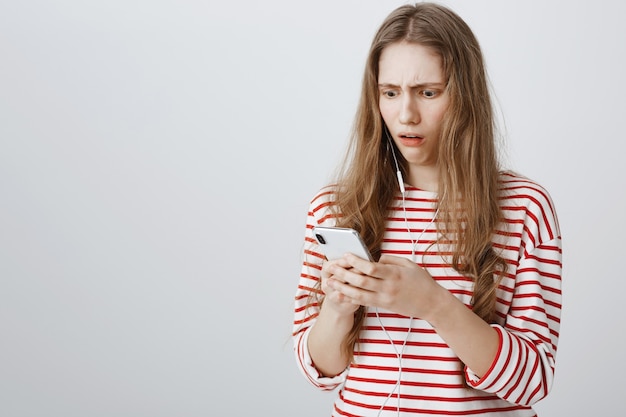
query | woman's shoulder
(522,196)
(322,205)
(517,186)
(324,195)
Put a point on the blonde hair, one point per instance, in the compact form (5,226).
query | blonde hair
(468,165)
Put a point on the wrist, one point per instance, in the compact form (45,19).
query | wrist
(443,307)
(340,317)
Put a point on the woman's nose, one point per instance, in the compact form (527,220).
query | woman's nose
(409,113)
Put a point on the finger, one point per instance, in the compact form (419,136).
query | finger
(359,264)
(357,279)
(350,292)
(372,269)
(326,288)
(336,296)
(395,260)
(328,266)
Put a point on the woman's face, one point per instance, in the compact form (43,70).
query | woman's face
(413,101)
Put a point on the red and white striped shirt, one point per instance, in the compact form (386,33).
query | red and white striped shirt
(528,316)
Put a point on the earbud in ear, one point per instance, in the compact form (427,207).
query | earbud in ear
(395,161)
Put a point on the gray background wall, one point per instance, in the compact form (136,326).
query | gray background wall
(156,162)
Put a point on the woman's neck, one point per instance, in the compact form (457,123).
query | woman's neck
(424,177)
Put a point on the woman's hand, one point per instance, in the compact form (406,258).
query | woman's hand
(334,322)
(393,283)
(334,299)
(400,285)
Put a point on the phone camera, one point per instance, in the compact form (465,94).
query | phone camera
(320,238)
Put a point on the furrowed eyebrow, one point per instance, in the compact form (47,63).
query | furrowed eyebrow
(421,85)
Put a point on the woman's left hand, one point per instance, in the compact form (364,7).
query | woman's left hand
(393,283)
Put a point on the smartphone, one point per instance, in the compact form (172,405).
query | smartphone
(337,241)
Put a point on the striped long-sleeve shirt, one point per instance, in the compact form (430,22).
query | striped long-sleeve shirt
(431,377)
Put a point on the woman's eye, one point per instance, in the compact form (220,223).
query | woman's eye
(389,94)
(429,93)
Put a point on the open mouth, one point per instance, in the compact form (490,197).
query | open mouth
(410,139)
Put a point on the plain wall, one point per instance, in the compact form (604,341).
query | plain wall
(156,163)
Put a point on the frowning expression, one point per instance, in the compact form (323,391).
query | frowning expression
(413,101)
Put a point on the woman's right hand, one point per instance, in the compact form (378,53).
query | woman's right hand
(333,299)
(335,319)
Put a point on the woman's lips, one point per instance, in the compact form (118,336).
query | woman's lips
(410,139)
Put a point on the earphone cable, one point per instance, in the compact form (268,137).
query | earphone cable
(399,355)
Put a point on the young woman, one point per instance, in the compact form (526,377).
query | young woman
(460,312)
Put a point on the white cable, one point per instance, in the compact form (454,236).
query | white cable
(414,243)
(399,355)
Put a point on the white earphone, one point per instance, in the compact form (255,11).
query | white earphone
(399,354)
(395,160)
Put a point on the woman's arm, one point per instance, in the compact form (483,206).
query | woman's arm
(320,327)
(514,360)
(474,341)
(325,341)
(400,285)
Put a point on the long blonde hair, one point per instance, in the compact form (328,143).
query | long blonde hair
(469,170)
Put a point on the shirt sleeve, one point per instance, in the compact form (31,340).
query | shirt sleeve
(306,308)
(307,367)
(523,370)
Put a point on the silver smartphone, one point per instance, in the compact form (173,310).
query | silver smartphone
(337,241)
